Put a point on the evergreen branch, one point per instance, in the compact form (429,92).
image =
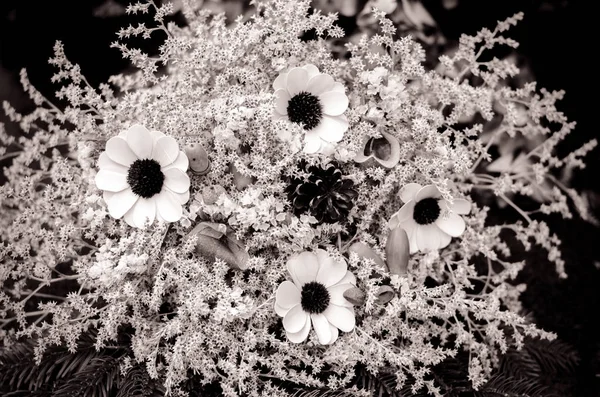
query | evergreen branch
(20,374)
(16,364)
(520,363)
(322,392)
(384,384)
(95,380)
(137,383)
(507,386)
(380,384)
(27,393)
(554,357)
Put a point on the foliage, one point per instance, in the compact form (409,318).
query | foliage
(85,372)
(519,375)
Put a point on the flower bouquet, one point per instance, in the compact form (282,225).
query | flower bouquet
(254,213)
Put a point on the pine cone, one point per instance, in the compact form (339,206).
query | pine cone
(325,194)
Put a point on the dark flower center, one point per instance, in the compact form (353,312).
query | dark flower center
(426,211)
(145,177)
(315,297)
(305,108)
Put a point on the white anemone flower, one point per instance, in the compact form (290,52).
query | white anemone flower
(315,100)
(143,176)
(429,221)
(315,296)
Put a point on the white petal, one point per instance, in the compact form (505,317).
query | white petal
(444,239)
(168,206)
(427,192)
(277,116)
(303,268)
(158,217)
(338,87)
(411,230)
(181,162)
(300,336)
(282,99)
(461,206)
(144,211)
(334,103)
(409,226)
(319,84)
(128,218)
(121,202)
(334,334)
(156,135)
(287,295)
(336,294)
(295,319)
(404,214)
(331,129)
(177,180)
(428,237)
(106,195)
(166,151)
(118,151)
(330,271)
(312,142)
(348,279)
(321,326)
(327,149)
(340,317)
(296,81)
(409,192)
(451,224)
(105,163)
(140,141)
(311,69)
(183,197)
(281,311)
(111,181)
(280,82)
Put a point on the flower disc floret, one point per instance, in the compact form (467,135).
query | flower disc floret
(426,211)
(145,177)
(314,297)
(305,108)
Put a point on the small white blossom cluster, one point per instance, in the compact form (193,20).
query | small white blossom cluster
(258,211)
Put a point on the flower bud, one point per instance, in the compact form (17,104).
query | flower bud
(199,162)
(397,251)
(385,294)
(355,296)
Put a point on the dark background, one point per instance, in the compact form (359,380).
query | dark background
(558,42)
